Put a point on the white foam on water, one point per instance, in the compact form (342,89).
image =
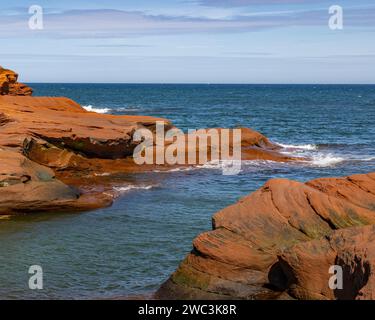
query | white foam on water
(318,159)
(129,109)
(220,164)
(261,163)
(174,170)
(326,160)
(368,159)
(130,187)
(299,146)
(97,110)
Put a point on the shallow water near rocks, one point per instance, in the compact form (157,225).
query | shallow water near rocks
(132,247)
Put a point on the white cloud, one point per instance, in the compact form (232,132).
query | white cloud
(119,24)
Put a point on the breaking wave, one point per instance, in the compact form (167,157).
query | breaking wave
(128,109)
(109,110)
(175,170)
(326,160)
(97,110)
(130,187)
(298,147)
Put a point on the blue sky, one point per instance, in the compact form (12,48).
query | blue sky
(190,41)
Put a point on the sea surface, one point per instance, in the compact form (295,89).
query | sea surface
(132,247)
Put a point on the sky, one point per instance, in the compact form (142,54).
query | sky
(189,41)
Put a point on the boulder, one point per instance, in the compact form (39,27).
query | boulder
(274,243)
(307,266)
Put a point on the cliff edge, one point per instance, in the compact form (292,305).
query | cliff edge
(9,84)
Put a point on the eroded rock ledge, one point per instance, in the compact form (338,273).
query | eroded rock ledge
(10,86)
(50,154)
(280,241)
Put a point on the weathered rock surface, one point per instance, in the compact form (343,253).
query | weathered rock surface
(80,147)
(353,249)
(40,134)
(26,186)
(279,242)
(63,123)
(58,133)
(10,86)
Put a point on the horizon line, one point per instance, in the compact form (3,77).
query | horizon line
(206,83)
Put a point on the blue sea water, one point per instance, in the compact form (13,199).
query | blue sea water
(132,247)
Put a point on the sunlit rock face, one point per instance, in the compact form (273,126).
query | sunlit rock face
(10,86)
(281,241)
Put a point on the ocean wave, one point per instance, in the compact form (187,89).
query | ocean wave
(326,160)
(97,110)
(225,165)
(174,170)
(364,159)
(299,146)
(107,110)
(124,189)
(128,109)
(314,160)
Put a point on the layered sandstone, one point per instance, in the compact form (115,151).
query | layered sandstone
(59,133)
(65,124)
(41,137)
(10,86)
(26,186)
(280,241)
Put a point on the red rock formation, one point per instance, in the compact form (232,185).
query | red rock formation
(280,241)
(10,86)
(62,131)
(26,186)
(306,265)
(65,124)
(252,146)
(59,125)
(81,147)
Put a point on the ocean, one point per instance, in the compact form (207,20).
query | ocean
(132,247)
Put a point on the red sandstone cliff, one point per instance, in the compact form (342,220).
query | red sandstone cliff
(10,86)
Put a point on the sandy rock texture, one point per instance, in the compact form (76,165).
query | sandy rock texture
(9,84)
(280,241)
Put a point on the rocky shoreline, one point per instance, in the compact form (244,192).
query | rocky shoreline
(56,156)
(277,243)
